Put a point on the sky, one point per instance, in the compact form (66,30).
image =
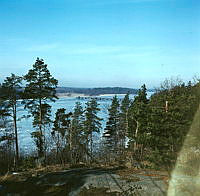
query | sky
(100,43)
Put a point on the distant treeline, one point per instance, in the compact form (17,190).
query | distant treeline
(97,91)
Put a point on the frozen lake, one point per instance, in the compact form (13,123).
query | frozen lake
(25,128)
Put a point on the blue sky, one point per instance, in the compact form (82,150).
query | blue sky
(96,43)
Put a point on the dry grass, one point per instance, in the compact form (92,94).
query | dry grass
(127,174)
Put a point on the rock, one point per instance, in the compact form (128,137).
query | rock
(74,181)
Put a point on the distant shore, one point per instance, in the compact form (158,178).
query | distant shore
(74,95)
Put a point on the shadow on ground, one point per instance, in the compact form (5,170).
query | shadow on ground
(55,183)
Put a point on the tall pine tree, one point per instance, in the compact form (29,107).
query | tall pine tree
(12,92)
(138,118)
(78,136)
(124,108)
(62,132)
(92,123)
(40,89)
(112,132)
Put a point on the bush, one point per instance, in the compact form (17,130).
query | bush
(28,163)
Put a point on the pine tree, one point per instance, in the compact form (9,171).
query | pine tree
(92,123)
(112,126)
(78,136)
(124,108)
(168,128)
(11,88)
(62,131)
(39,90)
(7,136)
(62,122)
(142,95)
(138,118)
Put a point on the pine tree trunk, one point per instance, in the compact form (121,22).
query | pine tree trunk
(136,134)
(91,145)
(126,132)
(16,134)
(41,149)
(70,145)
(86,149)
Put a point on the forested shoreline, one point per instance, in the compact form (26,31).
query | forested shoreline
(96,91)
(146,131)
